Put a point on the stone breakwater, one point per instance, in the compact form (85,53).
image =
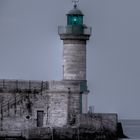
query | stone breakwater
(70,133)
(88,127)
(50,110)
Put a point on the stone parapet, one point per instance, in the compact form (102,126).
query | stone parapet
(22,85)
(9,86)
(99,121)
(64,85)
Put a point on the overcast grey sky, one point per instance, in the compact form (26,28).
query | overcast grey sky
(30,48)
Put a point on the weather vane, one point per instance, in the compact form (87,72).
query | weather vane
(75,3)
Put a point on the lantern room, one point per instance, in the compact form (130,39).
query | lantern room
(75,17)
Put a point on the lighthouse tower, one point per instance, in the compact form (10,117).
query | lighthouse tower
(75,35)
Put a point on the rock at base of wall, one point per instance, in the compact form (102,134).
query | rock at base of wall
(70,133)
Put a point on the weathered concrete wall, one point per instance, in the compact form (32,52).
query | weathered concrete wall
(74,57)
(22,85)
(99,121)
(68,99)
(57,109)
(59,101)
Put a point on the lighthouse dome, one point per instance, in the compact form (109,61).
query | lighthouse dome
(75,11)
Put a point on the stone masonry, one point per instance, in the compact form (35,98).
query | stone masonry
(20,101)
(74,54)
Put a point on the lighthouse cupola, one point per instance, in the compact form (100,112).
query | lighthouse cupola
(75,17)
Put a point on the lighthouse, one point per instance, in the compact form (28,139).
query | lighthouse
(74,36)
(56,109)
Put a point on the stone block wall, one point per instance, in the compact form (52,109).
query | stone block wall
(68,99)
(99,121)
(20,101)
(22,85)
(74,57)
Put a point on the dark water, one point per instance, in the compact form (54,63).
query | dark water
(131,128)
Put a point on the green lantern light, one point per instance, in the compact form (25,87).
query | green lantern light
(75,17)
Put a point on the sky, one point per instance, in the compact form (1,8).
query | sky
(31,49)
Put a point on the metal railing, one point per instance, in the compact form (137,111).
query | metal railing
(76,29)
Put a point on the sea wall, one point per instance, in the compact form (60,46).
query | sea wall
(22,101)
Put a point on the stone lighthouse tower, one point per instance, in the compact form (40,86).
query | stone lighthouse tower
(75,35)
